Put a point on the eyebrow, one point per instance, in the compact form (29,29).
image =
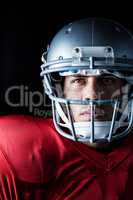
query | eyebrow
(79,76)
(98,76)
(84,77)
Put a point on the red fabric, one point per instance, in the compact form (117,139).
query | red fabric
(48,166)
(7,182)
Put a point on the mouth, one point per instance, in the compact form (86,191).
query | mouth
(97,113)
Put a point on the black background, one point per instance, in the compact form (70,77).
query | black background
(25,30)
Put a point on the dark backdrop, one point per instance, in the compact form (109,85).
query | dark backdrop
(25,31)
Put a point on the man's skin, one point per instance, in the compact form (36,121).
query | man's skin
(92,88)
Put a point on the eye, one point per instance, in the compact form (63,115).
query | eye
(78,81)
(108,80)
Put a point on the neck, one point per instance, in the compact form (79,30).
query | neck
(105,147)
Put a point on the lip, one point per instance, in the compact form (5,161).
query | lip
(97,113)
(86,113)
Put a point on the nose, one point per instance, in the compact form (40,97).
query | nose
(91,90)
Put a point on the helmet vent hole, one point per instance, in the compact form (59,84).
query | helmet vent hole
(77,50)
(68,30)
(108,50)
(60,57)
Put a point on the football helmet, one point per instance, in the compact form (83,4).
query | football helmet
(90,47)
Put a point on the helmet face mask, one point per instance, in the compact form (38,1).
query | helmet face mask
(70,67)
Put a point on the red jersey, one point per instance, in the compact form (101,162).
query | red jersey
(39,164)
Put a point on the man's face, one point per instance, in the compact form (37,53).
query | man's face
(92,88)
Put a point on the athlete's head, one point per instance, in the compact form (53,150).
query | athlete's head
(87,74)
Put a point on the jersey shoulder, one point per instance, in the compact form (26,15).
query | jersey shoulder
(25,144)
(22,123)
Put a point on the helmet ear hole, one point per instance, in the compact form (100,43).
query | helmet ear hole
(57,84)
(55,77)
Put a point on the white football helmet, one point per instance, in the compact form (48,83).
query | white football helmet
(90,47)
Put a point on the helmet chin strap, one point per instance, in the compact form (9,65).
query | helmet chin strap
(101,129)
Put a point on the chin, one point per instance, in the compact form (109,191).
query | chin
(101,146)
(83,119)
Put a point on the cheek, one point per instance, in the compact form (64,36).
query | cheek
(70,94)
(75,110)
(111,92)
